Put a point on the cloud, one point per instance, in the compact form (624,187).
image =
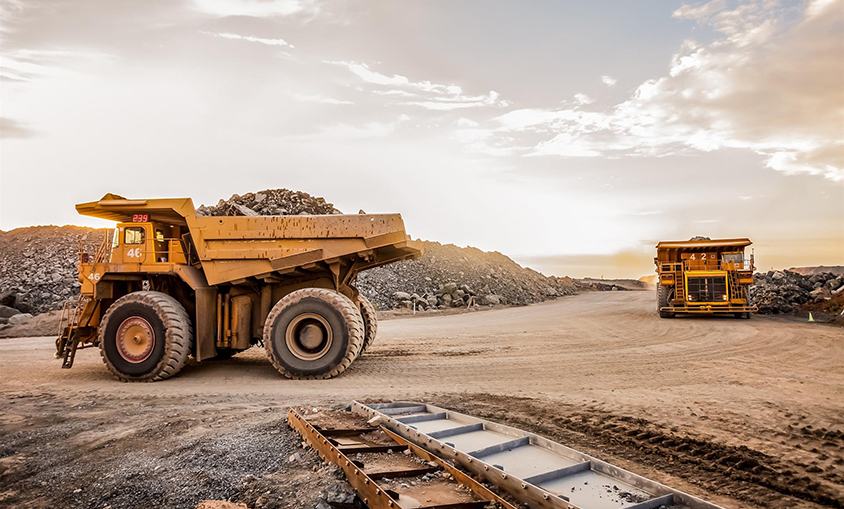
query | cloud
(702,11)
(257,8)
(431,96)
(268,42)
(26,64)
(769,84)
(608,80)
(583,99)
(13,129)
(317,98)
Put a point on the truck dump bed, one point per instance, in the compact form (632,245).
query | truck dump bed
(231,248)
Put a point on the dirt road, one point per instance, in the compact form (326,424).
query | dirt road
(746,413)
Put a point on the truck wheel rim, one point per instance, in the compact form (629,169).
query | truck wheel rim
(135,340)
(308,336)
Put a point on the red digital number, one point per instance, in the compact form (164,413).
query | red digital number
(140,218)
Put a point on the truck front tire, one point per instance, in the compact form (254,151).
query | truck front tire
(145,337)
(662,300)
(313,333)
(370,322)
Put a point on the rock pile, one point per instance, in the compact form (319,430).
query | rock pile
(450,276)
(270,202)
(38,265)
(787,291)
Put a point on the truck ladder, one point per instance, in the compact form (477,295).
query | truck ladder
(679,285)
(68,339)
(68,335)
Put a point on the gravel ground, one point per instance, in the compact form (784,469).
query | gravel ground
(744,413)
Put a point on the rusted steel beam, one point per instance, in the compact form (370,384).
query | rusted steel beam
(354,449)
(346,432)
(371,494)
(478,488)
(365,485)
(402,473)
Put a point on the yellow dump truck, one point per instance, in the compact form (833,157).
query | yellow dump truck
(172,284)
(704,276)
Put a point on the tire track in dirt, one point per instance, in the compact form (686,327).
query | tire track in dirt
(738,472)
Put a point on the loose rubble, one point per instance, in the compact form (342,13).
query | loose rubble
(786,291)
(38,265)
(270,202)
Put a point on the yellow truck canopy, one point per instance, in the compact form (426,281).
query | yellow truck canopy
(704,244)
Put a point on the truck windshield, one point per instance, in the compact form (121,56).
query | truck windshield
(134,235)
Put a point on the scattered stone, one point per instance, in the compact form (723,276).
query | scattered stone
(375,421)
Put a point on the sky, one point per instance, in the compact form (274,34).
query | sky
(571,136)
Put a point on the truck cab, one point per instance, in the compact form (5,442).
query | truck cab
(146,242)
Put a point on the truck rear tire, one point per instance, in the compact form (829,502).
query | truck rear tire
(662,300)
(145,337)
(313,333)
(370,322)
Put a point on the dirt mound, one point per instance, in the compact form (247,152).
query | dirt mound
(270,202)
(450,276)
(787,292)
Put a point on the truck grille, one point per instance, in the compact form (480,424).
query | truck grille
(707,289)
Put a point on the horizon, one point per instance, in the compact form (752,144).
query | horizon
(571,138)
(617,266)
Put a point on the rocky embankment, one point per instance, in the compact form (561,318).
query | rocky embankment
(450,276)
(786,291)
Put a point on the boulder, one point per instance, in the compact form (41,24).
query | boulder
(19,318)
(8,299)
(6,311)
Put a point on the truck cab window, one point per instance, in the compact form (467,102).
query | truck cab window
(134,235)
(115,238)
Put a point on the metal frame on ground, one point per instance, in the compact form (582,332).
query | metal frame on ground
(531,468)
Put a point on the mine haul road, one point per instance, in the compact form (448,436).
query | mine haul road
(744,413)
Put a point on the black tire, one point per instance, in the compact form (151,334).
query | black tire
(370,322)
(171,334)
(339,331)
(662,300)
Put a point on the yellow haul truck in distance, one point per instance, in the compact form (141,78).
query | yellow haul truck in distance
(172,284)
(704,276)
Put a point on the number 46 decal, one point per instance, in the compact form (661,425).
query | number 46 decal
(134,253)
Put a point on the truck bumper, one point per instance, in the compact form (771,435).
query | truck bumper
(704,309)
